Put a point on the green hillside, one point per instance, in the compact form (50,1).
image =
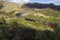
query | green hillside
(17,23)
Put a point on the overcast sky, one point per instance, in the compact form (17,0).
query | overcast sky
(57,2)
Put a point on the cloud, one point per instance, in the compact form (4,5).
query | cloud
(40,1)
(18,1)
(22,1)
(53,1)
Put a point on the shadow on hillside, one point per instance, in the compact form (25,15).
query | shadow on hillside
(23,33)
(32,34)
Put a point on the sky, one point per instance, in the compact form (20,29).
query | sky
(57,2)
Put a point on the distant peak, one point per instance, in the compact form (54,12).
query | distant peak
(42,6)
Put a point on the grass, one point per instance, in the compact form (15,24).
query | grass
(12,27)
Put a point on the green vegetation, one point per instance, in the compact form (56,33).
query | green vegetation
(18,28)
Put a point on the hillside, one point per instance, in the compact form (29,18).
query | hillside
(42,6)
(29,21)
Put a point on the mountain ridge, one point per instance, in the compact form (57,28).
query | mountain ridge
(41,6)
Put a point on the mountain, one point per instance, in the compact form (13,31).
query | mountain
(10,8)
(42,6)
(41,23)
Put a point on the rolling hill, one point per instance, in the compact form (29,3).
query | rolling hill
(31,21)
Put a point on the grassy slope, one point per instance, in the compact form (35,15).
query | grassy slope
(38,14)
(42,17)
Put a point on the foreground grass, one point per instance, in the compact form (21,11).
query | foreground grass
(18,28)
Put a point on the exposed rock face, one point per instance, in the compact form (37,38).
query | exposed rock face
(42,6)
